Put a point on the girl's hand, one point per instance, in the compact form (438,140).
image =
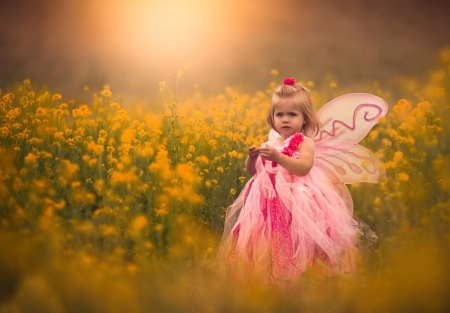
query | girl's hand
(269,153)
(253,152)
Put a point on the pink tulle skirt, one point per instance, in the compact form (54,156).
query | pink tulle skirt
(281,224)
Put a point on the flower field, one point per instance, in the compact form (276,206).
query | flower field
(113,206)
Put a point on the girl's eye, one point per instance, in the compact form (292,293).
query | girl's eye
(292,114)
(279,114)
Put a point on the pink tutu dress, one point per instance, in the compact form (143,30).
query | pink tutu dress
(281,224)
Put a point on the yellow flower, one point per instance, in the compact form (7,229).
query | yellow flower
(212,142)
(386,142)
(59,205)
(107,93)
(82,111)
(92,162)
(233,191)
(139,223)
(5,132)
(242,179)
(161,212)
(108,230)
(333,85)
(274,72)
(58,135)
(31,159)
(403,176)
(76,184)
(158,228)
(398,156)
(220,169)
(56,97)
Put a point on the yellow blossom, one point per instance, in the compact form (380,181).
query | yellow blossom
(31,159)
(386,142)
(403,176)
(310,83)
(161,212)
(158,228)
(139,223)
(398,156)
(107,93)
(56,97)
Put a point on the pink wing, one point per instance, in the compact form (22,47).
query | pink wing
(350,117)
(346,120)
(351,162)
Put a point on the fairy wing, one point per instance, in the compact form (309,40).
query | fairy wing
(273,134)
(349,161)
(350,117)
(346,120)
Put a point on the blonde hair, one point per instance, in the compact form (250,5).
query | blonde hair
(301,99)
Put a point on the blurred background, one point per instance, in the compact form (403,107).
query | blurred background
(131,45)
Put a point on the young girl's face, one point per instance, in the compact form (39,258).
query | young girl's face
(288,119)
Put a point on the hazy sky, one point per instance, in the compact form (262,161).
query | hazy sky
(131,44)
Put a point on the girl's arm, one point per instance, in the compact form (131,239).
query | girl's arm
(300,166)
(250,163)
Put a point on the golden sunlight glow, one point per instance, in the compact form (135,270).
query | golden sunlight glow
(170,27)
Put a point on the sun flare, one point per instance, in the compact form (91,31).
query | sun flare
(170,27)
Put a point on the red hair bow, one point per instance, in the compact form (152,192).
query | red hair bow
(289,81)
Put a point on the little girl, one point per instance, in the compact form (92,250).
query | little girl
(296,211)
